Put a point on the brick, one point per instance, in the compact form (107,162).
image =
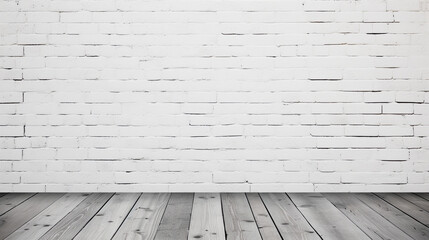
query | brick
(11,97)
(10,154)
(362,131)
(398,5)
(421,131)
(29,166)
(42,17)
(229,177)
(39,154)
(379,97)
(398,109)
(373,178)
(409,97)
(9,178)
(396,131)
(363,108)
(32,39)
(318,177)
(11,51)
(11,131)
(375,17)
(76,17)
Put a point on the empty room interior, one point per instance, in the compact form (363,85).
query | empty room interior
(214,119)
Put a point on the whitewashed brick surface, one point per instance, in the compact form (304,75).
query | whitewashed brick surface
(214,95)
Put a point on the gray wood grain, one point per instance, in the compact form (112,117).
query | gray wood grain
(176,219)
(18,216)
(325,218)
(144,219)
(265,224)
(106,222)
(414,211)
(369,221)
(416,200)
(70,225)
(206,219)
(11,200)
(401,220)
(247,216)
(40,224)
(239,221)
(424,195)
(289,221)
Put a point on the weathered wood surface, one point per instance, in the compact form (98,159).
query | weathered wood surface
(239,221)
(424,195)
(411,209)
(177,217)
(40,224)
(416,200)
(407,224)
(18,216)
(11,200)
(289,221)
(325,218)
(107,221)
(369,221)
(70,225)
(237,216)
(144,218)
(206,218)
(263,220)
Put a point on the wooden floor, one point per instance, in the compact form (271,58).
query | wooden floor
(179,216)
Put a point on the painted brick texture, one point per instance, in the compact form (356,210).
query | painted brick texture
(213,95)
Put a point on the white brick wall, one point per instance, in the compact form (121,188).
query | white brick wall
(214,95)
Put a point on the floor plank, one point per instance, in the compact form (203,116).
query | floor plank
(40,224)
(404,222)
(206,218)
(265,224)
(176,219)
(165,216)
(18,216)
(239,221)
(416,200)
(144,219)
(424,195)
(71,224)
(289,221)
(106,222)
(325,218)
(11,200)
(369,221)
(414,211)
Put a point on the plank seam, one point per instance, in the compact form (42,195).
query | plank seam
(18,204)
(352,220)
(77,233)
(254,218)
(131,209)
(426,225)
(192,209)
(34,215)
(422,196)
(269,213)
(413,203)
(383,216)
(223,217)
(303,216)
(163,213)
